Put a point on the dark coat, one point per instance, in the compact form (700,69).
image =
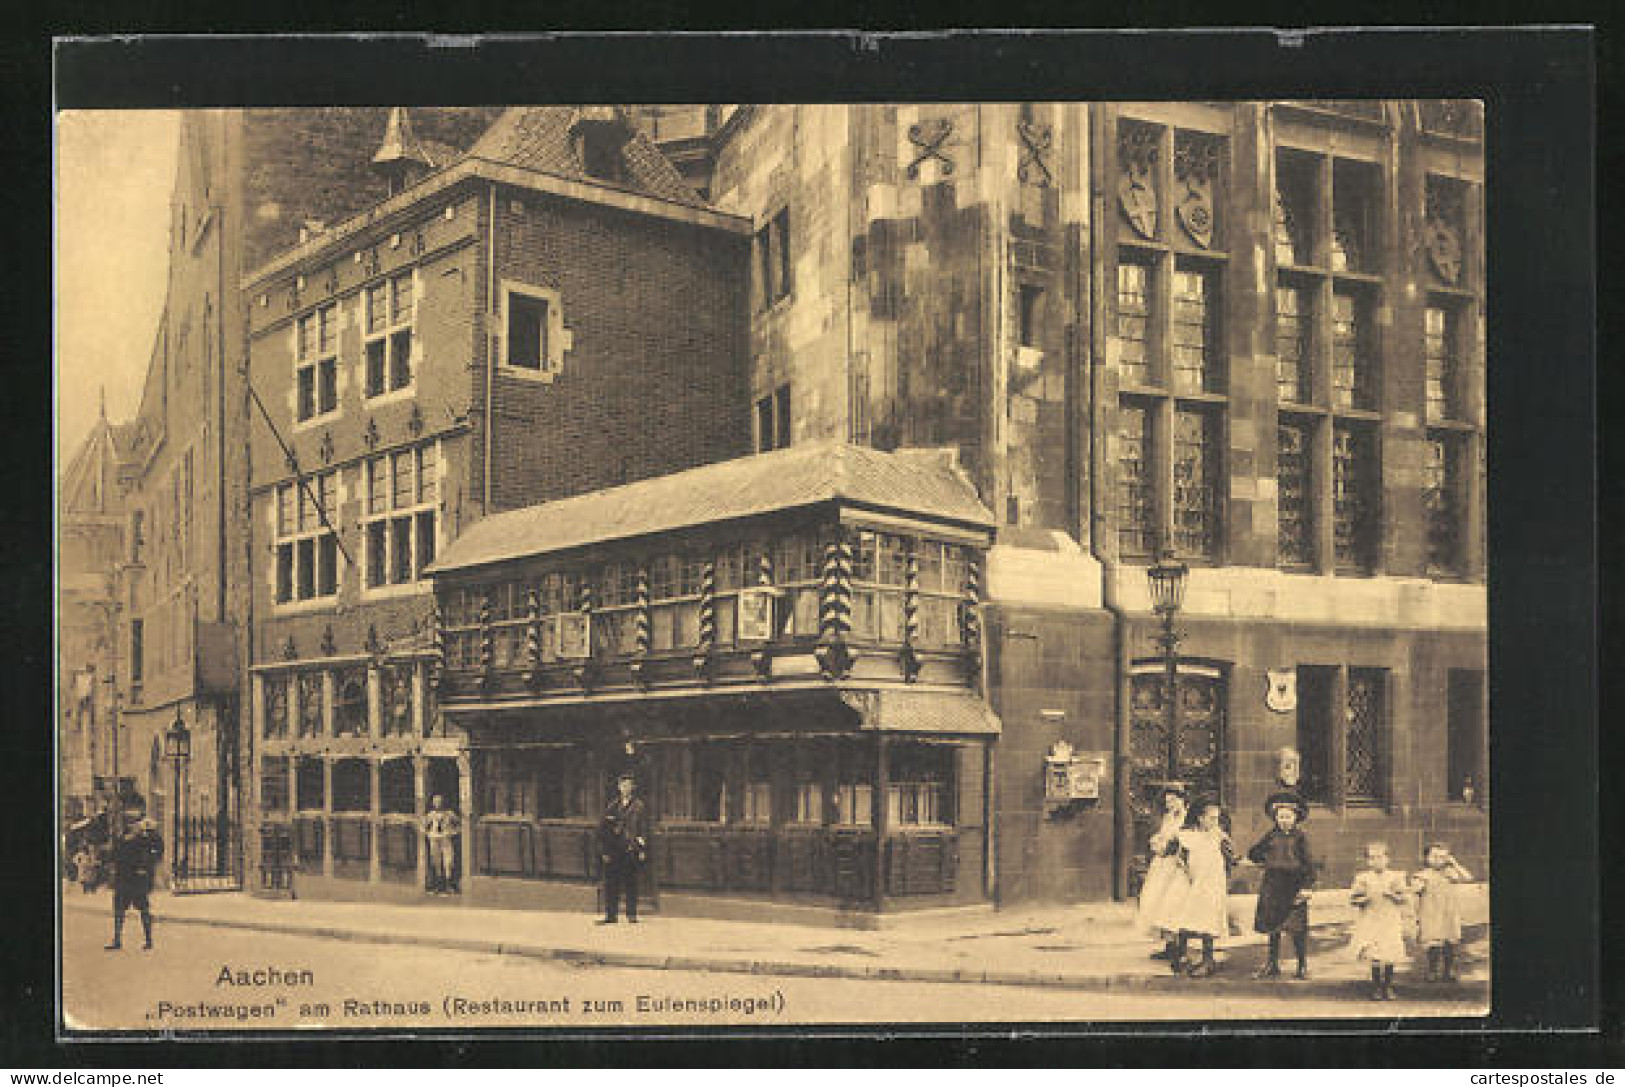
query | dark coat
(135,857)
(1288,869)
(624,831)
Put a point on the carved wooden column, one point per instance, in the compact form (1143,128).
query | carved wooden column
(465,804)
(375,812)
(327,815)
(642,634)
(375,701)
(419,809)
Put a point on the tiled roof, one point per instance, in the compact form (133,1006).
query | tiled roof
(538,138)
(920,483)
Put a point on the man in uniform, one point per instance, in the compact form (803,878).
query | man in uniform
(441,828)
(136,850)
(623,837)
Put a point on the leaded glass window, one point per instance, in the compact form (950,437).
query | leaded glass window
(1136,502)
(1353,368)
(1363,745)
(395,699)
(1354,496)
(1441,490)
(1295,494)
(276,707)
(1133,321)
(1293,321)
(1353,195)
(1294,210)
(1439,347)
(1194,349)
(350,705)
(310,703)
(1196,482)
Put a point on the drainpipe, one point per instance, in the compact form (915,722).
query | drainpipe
(490,340)
(1122,825)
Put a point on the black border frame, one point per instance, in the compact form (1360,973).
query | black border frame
(1539,90)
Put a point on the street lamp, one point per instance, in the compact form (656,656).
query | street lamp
(178,749)
(1166,578)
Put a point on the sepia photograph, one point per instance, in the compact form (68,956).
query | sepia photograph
(583,566)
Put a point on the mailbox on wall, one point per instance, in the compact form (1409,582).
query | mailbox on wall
(1071,776)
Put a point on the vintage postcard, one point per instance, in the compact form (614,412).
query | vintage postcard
(571,566)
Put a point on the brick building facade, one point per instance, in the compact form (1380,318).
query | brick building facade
(551,312)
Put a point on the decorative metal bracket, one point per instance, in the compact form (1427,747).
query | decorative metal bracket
(328,646)
(1036,141)
(290,652)
(930,137)
(370,437)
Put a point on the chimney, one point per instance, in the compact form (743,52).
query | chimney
(598,133)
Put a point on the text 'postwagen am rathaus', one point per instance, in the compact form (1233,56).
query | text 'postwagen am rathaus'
(808,461)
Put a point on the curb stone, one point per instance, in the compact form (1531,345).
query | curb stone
(1120,982)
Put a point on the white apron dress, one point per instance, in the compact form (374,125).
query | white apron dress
(1379,927)
(1438,908)
(1162,895)
(1204,911)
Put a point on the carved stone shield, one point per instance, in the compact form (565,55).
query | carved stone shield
(1195,212)
(1138,198)
(1281,689)
(1444,250)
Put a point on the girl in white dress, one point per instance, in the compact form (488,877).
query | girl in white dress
(1166,881)
(1379,894)
(1208,856)
(1438,909)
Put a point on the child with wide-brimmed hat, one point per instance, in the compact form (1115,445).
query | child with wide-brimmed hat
(1289,872)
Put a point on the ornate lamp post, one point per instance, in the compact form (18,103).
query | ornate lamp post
(178,749)
(1166,578)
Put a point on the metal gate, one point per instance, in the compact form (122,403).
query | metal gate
(207,855)
(1197,748)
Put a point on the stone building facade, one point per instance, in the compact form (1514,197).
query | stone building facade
(1252,331)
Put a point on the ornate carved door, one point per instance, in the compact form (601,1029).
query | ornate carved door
(1197,749)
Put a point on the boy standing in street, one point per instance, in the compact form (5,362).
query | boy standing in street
(137,849)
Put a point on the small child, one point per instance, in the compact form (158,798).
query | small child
(1438,910)
(1208,856)
(1379,932)
(1166,881)
(1289,873)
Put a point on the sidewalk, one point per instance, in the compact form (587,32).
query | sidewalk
(1086,947)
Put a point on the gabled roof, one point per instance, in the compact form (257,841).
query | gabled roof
(538,138)
(918,483)
(90,480)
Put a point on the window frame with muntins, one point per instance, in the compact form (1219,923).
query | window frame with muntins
(1173,359)
(1327,234)
(306,544)
(400,528)
(316,364)
(389,336)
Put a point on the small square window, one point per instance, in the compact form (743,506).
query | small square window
(527,332)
